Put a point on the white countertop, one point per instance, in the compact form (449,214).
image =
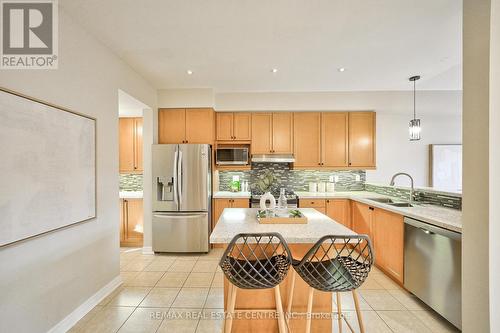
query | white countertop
(447,218)
(244,220)
(131,194)
(231,195)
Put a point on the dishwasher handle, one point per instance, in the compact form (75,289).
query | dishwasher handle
(432,229)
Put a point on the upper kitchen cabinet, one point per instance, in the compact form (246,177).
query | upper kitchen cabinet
(282,136)
(186,125)
(362,143)
(233,126)
(307,139)
(272,133)
(334,139)
(130,141)
(262,133)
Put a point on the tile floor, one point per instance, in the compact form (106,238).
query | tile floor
(174,293)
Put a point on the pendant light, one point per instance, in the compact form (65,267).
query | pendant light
(414,123)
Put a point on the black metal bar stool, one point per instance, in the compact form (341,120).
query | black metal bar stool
(335,264)
(255,261)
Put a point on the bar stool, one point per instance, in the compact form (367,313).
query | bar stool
(255,261)
(335,264)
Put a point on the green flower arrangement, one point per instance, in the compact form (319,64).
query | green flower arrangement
(264,182)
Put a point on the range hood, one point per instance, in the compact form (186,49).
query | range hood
(274,158)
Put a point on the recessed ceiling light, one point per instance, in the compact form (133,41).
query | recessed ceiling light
(189,72)
(274,70)
(341,69)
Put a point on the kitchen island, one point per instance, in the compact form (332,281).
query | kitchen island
(300,238)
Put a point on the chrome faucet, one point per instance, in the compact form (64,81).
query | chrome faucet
(412,190)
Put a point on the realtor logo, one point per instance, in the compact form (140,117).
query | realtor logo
(29,34)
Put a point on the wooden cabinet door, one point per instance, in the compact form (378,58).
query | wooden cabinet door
(126,144)
(361,215)
(339,210)
(262,133)
(242,126)
(171,125)
(224,126)
(240,203)
(307,139)
(132,222)
(388,240)
(334,139)
(138,144)
(362,139)
(200,125)
(282,140)
(219,205)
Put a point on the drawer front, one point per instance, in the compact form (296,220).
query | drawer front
(311,203)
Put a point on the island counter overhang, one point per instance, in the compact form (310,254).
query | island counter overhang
(300,238)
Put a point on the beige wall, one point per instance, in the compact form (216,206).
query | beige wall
(44,279)
(476,167)
(185,98)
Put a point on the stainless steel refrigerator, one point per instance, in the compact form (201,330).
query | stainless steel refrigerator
(181,197)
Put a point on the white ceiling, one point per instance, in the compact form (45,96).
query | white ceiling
(233,45)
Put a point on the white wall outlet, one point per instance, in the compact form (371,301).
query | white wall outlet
(330,179)
(358,178)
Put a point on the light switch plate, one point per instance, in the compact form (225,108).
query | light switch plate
(358,178)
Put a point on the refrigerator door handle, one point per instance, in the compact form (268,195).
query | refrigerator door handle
(179,215)
(179,177)
(176,180)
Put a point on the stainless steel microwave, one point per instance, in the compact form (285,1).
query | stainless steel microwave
(231,156)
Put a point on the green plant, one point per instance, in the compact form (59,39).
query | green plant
(264,182)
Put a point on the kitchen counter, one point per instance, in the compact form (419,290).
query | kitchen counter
(244,220)
(447,218)
(231,195)
(131,194)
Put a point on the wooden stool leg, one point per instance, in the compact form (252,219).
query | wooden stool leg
(358,311)
(230,307)
(290,296)
(309,309)
(339,311)
(279,310)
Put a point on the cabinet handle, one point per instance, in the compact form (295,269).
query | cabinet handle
(371,208)
(327,201)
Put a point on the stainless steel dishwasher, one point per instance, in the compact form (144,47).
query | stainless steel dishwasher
(433,268)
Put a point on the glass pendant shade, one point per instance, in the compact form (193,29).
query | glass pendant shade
(414,129)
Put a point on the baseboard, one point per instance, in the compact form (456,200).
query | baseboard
(77,314)
(147,250)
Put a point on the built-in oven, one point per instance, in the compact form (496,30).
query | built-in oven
(231,156)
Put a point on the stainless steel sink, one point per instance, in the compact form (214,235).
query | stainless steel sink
(382,200)
(400,204)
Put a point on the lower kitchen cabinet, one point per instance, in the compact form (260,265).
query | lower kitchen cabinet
(131,222)
(220,204)
(339,210)
(388,239)
(362,218)
(318,204)
(386,230)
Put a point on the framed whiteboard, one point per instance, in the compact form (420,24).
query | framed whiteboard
(47,167)
(445,169)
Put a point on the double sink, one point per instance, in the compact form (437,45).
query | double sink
(391,202)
